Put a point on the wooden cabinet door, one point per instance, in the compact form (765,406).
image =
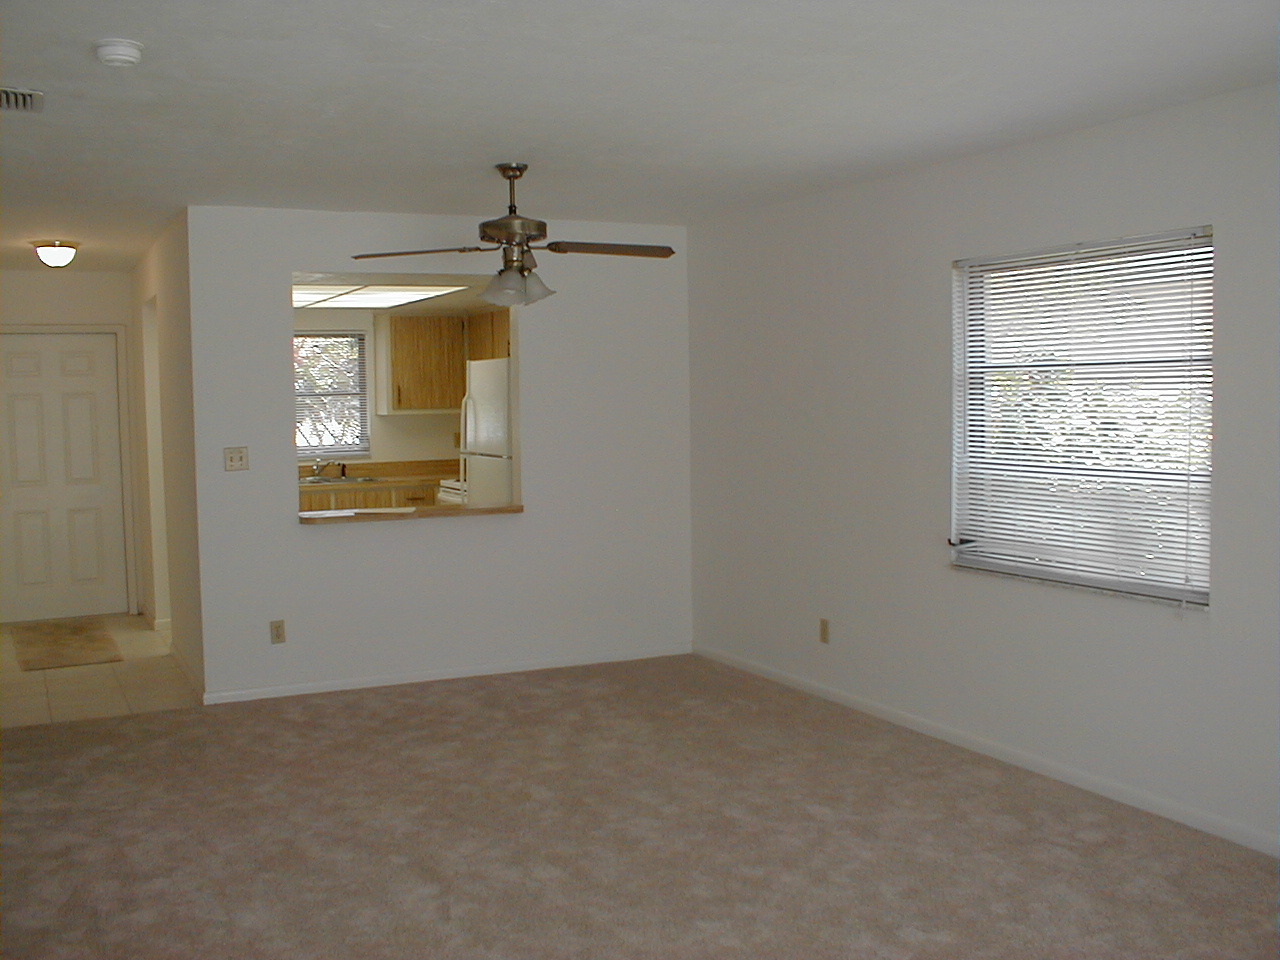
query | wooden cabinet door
(489,335)
(315,499)
(428,363)
(419,495)
(364,497)
(372,496)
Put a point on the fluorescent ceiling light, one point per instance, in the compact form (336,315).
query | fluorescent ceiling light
(383,297)
(305,296)
(371,297)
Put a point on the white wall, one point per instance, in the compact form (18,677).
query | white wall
(164,294)
(67,295)
(821,352)
(598,566)
(151,457)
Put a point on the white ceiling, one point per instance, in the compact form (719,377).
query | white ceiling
(629,110)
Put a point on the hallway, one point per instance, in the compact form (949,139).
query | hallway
(146,680)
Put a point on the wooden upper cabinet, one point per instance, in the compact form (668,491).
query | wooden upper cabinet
(425,364)
(422,361)
(489,335)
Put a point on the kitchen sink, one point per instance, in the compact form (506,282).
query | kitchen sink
(337,479)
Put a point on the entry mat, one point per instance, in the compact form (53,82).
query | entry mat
(48,644)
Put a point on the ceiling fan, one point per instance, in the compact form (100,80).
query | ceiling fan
(515,236)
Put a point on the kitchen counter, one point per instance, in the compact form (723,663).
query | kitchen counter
(365,515)
(397,470)
(365,484)
(381,490)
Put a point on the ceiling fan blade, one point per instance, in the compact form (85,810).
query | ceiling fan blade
(414,253)
(615,249)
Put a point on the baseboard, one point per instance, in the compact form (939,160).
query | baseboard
(1234,831)
(361,683)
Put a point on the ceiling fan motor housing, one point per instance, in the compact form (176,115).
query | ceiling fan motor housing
(513,228)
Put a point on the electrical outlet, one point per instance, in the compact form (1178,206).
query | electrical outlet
(235,458)
(824,630)
(277,631)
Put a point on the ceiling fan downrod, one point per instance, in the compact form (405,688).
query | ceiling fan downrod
(513,229)
(513,172)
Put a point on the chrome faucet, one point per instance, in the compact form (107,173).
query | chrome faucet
(318,467)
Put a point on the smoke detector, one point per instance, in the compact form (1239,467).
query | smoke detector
(119,53)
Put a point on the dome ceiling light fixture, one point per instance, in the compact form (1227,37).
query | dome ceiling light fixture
(55,253)
(119,53)
(516,283)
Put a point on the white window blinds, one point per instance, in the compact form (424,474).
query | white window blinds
(1082,415)
(331,398)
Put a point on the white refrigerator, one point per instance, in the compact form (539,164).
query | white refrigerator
(486,434)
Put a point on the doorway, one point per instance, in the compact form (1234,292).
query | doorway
(62,518)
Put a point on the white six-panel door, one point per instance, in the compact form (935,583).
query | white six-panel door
(62,524)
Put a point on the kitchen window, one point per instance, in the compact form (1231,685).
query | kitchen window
(331,397)
(1082,428)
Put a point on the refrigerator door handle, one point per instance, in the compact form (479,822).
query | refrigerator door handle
(468,408)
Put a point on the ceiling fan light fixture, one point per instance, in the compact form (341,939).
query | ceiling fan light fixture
(535,289)
(512,288)
(506,289)
(54,253)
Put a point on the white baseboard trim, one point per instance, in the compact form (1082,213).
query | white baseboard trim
(1234,831)
(361,683)
(148,615)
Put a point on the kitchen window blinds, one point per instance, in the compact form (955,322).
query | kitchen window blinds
(331,397)
(1082,427)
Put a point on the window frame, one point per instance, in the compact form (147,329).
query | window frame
(995,525)
(346,451)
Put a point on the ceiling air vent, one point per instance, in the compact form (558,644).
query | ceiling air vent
(26,101)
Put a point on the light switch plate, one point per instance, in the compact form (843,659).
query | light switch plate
(235,458)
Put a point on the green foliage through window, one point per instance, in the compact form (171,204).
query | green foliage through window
(331,398)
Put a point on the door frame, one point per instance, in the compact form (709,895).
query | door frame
(124,411)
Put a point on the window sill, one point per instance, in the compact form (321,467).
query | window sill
(371,514)
(1107,588)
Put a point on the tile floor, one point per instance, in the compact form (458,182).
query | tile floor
(147,679)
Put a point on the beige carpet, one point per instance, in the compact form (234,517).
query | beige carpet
(657,810)
(49,644)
